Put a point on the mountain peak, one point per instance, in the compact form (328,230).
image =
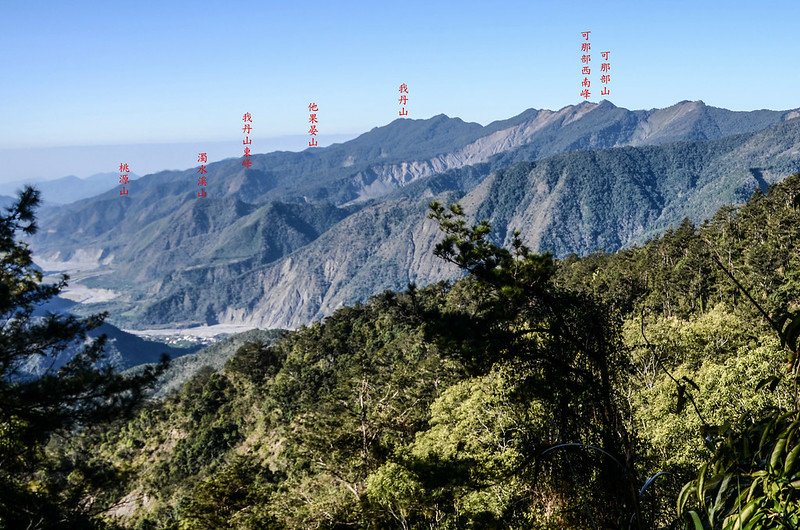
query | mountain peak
(606,104)
(688,103)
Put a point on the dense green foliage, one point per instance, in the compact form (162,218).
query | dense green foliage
(726,337)
(649,388)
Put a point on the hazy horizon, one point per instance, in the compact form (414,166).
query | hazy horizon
(50,163)
(83,161)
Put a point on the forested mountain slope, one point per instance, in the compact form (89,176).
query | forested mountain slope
(430,408)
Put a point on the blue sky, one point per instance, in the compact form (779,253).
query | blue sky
(90,73)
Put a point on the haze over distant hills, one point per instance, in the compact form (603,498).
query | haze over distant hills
(300,234)
(68,189)
(45,163)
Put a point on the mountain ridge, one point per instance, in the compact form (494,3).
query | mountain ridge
(70,188)
(278,215)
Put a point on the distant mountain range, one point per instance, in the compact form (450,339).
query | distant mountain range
(300,234)
(68,189)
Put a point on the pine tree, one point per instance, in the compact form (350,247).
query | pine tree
(76,395)
(566,353)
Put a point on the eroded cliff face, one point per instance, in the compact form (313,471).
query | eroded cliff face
(687,120)
(382,178)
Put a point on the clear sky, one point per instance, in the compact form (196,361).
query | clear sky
(93,73)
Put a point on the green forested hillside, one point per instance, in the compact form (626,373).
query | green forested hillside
(533,393)
(213,357)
